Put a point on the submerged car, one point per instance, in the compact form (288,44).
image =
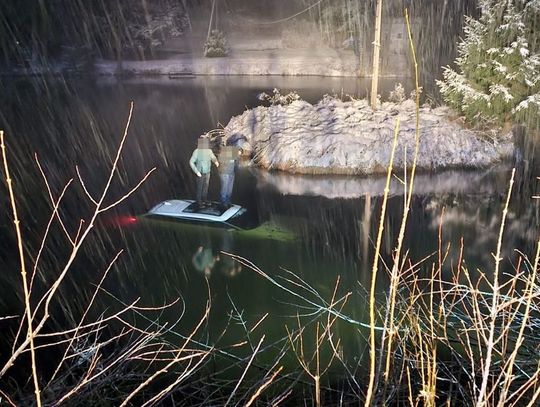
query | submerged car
(234,218)
(190,211)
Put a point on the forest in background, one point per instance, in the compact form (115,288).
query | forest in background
(79,31)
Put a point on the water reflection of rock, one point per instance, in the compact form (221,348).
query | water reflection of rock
(453,181)
(472,202)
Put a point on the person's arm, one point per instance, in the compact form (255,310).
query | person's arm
(213,158)
(192,162)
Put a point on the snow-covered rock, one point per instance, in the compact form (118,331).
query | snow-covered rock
(337,137)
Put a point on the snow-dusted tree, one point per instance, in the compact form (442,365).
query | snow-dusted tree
(134,26)
(498,75)
(216,45)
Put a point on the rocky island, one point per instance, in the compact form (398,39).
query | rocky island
(349,137)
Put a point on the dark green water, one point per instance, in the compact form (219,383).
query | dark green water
(334,219)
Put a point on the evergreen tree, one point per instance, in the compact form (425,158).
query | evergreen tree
(216,45)
(498,76)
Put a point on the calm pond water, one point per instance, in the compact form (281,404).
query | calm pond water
(333,219)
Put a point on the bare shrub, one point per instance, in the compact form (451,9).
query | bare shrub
(102,356)
(398,94)
(276,98)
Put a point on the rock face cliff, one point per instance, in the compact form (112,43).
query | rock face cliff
(337,137)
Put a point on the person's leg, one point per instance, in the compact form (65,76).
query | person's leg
(223,189)
(230,184)
(205,181)
(199,189)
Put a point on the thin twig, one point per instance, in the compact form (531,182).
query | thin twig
(22,260)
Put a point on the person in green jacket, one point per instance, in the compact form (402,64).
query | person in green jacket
(201,162)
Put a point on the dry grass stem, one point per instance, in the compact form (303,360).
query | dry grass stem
(374,269)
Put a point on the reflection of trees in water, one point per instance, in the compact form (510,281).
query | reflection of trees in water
(342,230)
(477,219)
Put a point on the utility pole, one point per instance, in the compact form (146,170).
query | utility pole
(376,52)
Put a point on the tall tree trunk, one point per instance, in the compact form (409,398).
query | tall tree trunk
(376,52)
(186,11)
(211,20)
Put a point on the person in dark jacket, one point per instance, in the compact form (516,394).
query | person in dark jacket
(228,159)
(201,162)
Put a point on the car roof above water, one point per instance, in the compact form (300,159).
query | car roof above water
(188,209)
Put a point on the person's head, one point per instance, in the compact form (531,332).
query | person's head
(227,153)
(237,141)
(203,143)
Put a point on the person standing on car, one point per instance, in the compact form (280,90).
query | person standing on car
(201,163)
(228,158)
